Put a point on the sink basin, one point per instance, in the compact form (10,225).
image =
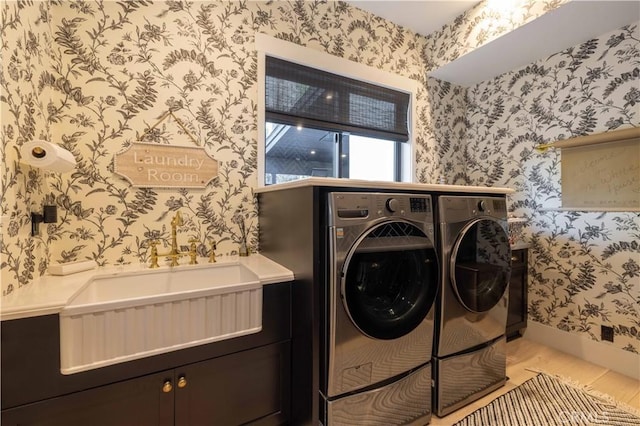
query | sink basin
(123,316)
(104,292)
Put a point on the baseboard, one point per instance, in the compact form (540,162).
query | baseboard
(599,353)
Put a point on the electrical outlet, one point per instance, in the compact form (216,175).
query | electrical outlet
(606,333)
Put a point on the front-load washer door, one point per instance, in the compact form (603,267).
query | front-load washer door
(390,280)
(382,317)
(481,265)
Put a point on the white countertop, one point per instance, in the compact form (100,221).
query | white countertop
(370,184)
(49,294)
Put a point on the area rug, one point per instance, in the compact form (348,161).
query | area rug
(546,400)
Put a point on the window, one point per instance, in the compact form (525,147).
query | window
(297,152)
(319,122)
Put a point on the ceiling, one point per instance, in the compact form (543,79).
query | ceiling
(421,16)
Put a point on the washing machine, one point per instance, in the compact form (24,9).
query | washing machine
(378,328)
(471,311)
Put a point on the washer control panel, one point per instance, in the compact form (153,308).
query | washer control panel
(373,205)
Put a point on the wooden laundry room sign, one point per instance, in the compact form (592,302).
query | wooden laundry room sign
(164,166)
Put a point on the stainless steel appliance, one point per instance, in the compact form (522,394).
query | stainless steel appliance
(378,324)
(471,315)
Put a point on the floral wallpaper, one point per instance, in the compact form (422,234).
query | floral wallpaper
(94,76)
(26,39)
(584,267)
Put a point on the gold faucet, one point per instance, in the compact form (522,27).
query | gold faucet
(174,254)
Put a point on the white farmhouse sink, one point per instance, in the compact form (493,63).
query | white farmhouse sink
(124,316)
(107,291)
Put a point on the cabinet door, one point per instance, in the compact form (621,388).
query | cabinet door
(135,402)
(518,300)
(249,386)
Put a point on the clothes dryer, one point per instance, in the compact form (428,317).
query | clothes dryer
(382,281)
(469,348)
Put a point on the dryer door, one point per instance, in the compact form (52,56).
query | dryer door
(390,279)
(481,264)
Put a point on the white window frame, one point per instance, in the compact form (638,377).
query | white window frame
(270,46)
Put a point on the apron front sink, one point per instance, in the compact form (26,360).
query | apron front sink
(130,315)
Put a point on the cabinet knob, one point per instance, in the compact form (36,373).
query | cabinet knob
(514,258)
(167,386)
(182,382)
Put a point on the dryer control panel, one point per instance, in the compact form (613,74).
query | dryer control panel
(459,208)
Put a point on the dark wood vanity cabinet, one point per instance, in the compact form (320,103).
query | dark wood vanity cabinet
(251,386)
(232,382)
(131,402)
(518,299)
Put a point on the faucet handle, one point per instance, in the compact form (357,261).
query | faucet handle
(154,253)
(192,251)
(212,253)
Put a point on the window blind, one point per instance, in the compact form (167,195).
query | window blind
(302,96)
